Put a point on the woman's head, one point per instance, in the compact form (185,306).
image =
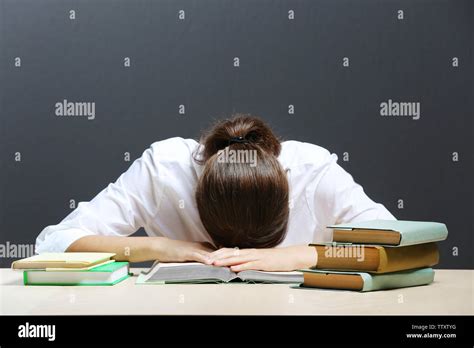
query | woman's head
(242,194)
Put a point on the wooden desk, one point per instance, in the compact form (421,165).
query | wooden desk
(451,293)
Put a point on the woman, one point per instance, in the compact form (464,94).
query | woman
(240,198)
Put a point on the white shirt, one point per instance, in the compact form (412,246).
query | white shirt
(157,193)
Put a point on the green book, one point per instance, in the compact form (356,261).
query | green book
(390,232)
(362,281)
(106,274)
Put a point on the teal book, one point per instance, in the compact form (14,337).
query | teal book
(362,281)
(390,232)
(105,274)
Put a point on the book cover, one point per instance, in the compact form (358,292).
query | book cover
(411,232)
(375,258)
(373,282)
(62,260)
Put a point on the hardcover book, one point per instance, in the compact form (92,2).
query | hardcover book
(362,281)
(375,258)
(104,274)
(390,232)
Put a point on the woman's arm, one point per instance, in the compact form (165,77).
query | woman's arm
(273,259)
(137,249)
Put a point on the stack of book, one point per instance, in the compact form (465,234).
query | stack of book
(73,268)
(376,255)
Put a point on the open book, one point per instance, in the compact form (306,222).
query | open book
(194,272)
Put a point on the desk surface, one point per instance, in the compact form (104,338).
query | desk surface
(451,293)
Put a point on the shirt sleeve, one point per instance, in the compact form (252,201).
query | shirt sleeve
(118,210)
(339,199)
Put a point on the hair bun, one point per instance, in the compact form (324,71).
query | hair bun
(245,130)
(238,140)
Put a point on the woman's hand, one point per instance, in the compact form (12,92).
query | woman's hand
(138,249)
(169,250)
(275,259)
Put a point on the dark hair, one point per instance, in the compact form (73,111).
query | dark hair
(241,205)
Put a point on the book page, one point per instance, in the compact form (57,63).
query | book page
(190,272)
(271,277)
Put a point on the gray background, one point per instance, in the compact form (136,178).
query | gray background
(282,62)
